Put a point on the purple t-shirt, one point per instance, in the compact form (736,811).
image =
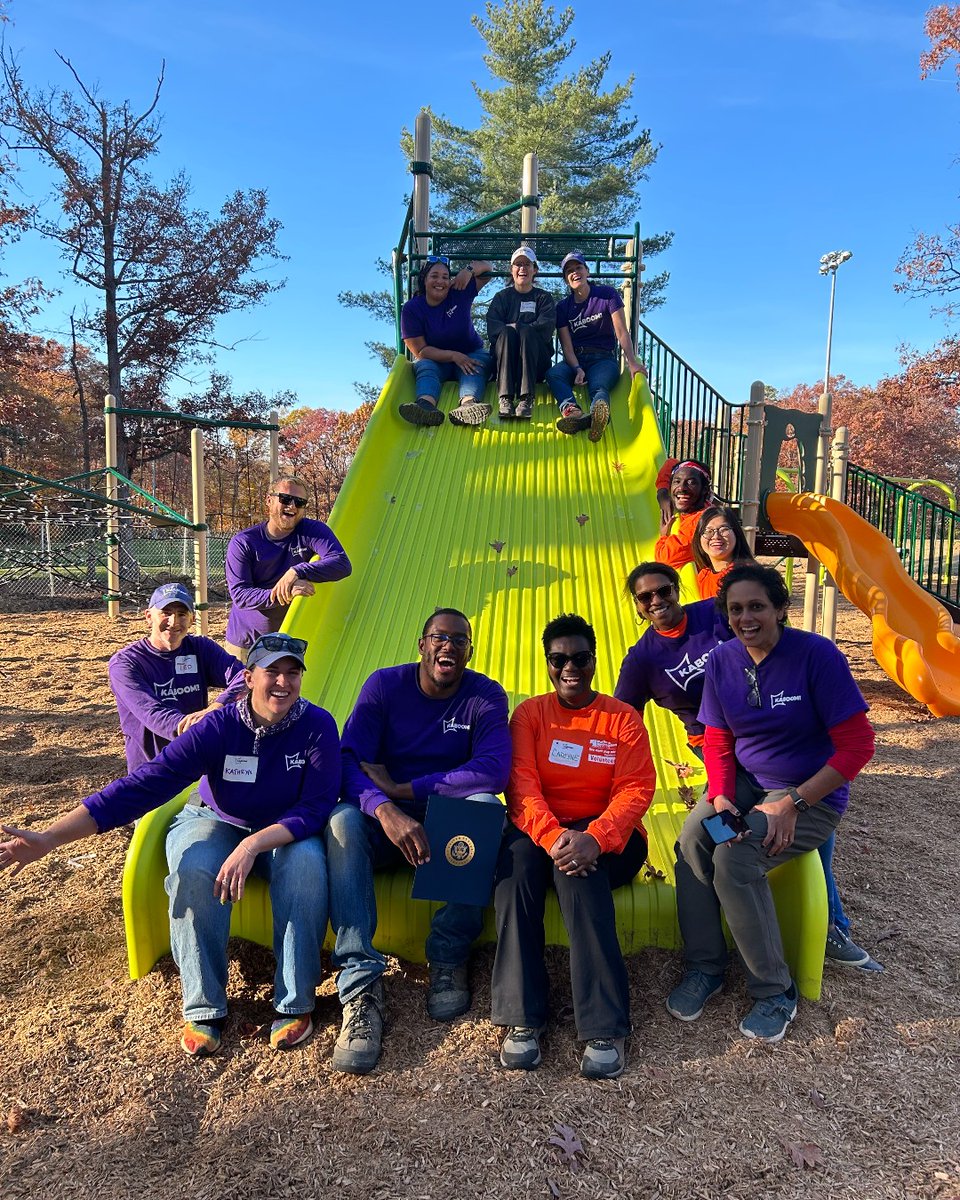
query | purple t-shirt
(155,689)
(446,326)
(452,746)
(591,323)
(293,779)
(670,670)
(255,562)
(805,689)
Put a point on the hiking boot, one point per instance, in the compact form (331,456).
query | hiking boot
(421,412)
(572,419)
(449,994)
(687,999)
(603,1058)
(505,408)
(767,1021)
(200,1039)
(471,413)
(290,1030)
(358,1047)
(520,1050)
(524,410)
(599,417)
(843,950)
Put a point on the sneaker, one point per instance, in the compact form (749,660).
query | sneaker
(524,410)
(289,1031)
(843,950)
(357,1050)
(505,408)
(687,999)
(449,994)
(603,1058)
(599,417)
(471,413)
(200,1039)
(421,412)
(572,419)
(767,1021)
(520,1050)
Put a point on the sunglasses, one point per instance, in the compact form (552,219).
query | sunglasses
(460,640)
(753,693)
(279,641)
(438,258)
(660,593)
(583,658)
(285,498)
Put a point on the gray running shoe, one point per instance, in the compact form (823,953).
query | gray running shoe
(521,1048)
(524,410)
(687,999)
(449,994)
(603,1058)
(505,408)
(767,1021)
(599,417)
(470,413)
(361,1035)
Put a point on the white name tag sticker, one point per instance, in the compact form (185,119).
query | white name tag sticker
(240,768)
(185,664)
(528,306)
(566,754)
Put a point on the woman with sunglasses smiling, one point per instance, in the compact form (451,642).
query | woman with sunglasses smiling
(269,769)
(581,780)
(437,328)
(718,543)
(782,705)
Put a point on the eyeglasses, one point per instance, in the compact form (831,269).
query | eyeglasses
(753,695)
(661,593)
(718,531)
(581,659)
(460,640)
(284,498)
(438,258)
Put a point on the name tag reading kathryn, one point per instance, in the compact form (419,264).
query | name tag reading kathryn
(528,306)
(185,664)
(240,768)
(566,754)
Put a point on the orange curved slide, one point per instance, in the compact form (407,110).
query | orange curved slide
(913,638)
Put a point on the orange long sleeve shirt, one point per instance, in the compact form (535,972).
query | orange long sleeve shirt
(676,548)
(571,763)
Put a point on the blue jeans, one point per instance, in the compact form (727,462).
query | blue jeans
(431,376)
(198,842)
(601,369)
(837,916)
(356,846)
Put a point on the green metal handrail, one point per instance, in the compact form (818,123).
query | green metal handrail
(61,486)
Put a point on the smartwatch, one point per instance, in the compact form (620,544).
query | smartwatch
(798,801)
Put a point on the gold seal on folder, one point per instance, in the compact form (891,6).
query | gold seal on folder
(460,850)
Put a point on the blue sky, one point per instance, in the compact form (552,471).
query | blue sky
(788,127)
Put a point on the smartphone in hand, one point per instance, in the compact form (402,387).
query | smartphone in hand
(725,826)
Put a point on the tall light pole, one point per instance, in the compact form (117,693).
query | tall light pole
(829,265)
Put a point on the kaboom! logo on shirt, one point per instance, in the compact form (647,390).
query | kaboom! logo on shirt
(781,698)
(686,670)
(169,690)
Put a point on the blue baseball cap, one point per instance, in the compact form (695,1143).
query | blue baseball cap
(171,593)
(573,257)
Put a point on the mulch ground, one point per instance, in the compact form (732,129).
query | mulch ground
(96,1099)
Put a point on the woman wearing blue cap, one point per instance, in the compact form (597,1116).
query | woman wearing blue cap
(270,776)
(590,323)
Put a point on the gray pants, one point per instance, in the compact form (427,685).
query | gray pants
(733,878)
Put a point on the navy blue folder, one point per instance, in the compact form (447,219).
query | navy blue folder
(464,837)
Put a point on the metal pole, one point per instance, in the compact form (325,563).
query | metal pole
(627,289)
(274,445)
(838,491)
(530,196)
(826,402)
(421,180)
(113,493)
(750,504)
(199,518)
(49,547)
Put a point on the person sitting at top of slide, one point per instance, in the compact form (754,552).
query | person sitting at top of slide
(270,563)
(424,728)
(160,682)
(690,493)
(437,328)
(718,544)
(590,323)
(270,768)
(520,324)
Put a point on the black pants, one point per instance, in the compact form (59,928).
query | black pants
(598,977)
(522,357)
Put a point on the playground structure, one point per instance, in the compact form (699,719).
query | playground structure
(514,525)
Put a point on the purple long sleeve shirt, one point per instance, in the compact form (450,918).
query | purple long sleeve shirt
(255,562)
(155,689)
(451,746)
(294,780)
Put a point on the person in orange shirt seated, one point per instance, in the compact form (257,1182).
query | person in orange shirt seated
(690,492)
(581,780)
(718,544)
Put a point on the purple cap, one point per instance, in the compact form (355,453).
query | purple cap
(573,256)
(171,593)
